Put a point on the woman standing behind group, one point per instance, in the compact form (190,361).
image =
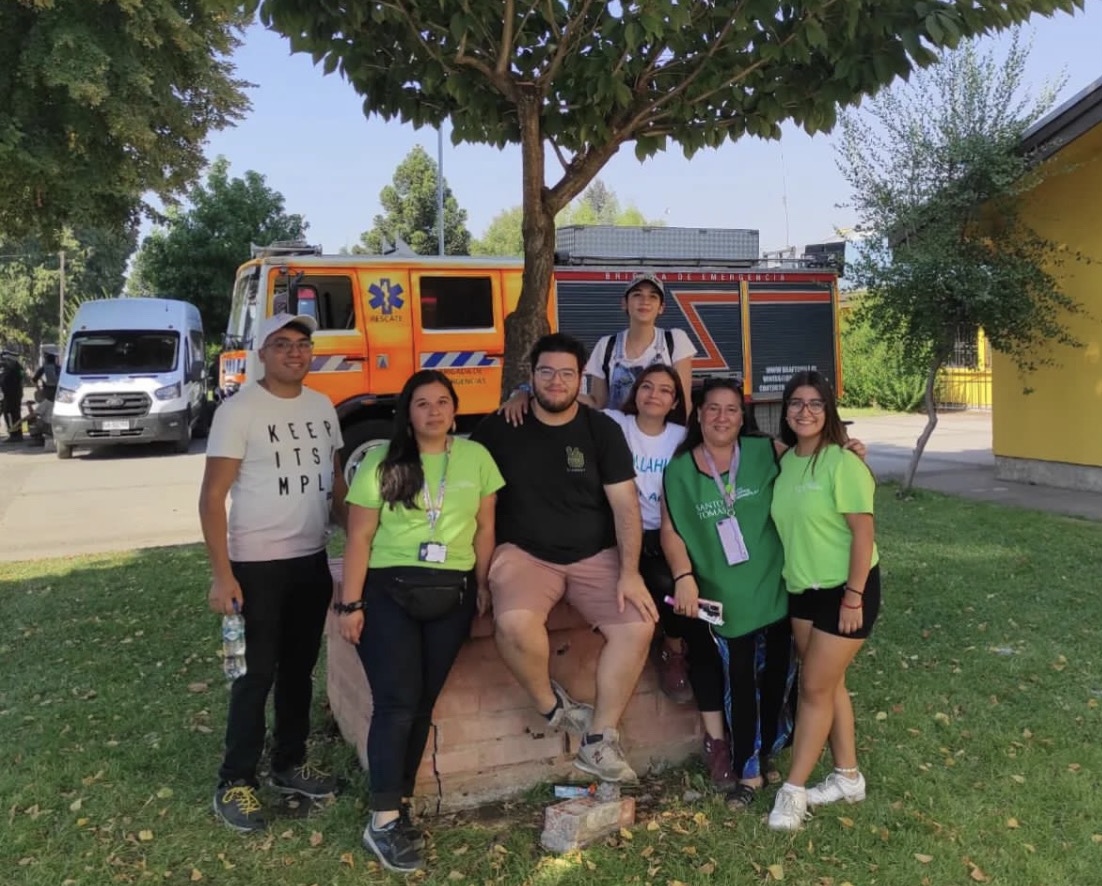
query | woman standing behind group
(823,509)
(420,538)
(721,544)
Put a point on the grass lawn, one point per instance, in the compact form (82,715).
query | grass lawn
(978,725)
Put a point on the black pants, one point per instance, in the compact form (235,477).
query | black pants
(705,667)
(12,408)
(406,662)
(285,606)
(760,668)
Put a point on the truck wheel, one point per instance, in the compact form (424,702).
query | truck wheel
(64,450)
(359,440)
(206,416)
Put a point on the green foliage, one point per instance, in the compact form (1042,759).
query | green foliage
(503,235)
(599,205)
(876,373)
(195,254)
(30,280)
(936,176)
(410,212)
(105,101)
(587,78)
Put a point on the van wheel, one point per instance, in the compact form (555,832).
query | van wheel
(63,450)
(181,446)
(206,416)
(359,440)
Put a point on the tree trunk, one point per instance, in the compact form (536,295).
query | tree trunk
(525,325)
(931,423)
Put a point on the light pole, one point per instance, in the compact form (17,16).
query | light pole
(440,186)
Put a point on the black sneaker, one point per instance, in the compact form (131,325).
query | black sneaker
(393,847)
(304,780)
(413,833)
(239,807)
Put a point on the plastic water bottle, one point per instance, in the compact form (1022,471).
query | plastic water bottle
(233,645)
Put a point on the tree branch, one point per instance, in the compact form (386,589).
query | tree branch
(558,153)
(566,38)
(506,50)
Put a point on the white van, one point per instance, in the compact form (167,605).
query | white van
(133,373)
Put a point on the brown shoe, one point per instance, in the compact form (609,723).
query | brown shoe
(717,757)
(673,675)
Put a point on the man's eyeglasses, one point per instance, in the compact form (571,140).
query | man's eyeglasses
(547,373)
(815,407)
(286,346)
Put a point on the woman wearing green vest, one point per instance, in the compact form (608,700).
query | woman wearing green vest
(721,545)
(823,508)
(420,538)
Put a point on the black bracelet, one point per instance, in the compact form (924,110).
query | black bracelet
(345,608)
(855,591)
(683,575)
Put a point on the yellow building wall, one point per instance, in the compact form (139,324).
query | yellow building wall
(1061,420)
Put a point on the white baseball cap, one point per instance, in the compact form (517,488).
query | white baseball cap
(278,321)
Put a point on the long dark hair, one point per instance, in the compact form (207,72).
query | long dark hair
(694,436)
(679,411)
(401,476)
(834,432)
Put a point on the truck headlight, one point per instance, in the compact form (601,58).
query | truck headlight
(168,392)
(65,395)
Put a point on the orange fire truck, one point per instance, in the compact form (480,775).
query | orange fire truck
(380,318)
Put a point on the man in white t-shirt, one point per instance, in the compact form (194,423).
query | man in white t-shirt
(274,450)
(617,360)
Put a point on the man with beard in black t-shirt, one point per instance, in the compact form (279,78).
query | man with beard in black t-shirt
(568,527)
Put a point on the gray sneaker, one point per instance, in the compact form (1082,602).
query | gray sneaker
(573,716)
(605,759)
(305,781)
(238,806)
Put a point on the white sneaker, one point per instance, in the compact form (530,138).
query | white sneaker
(837,787)
(790,810)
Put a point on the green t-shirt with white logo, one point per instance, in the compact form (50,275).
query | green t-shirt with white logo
(472,475)
(810,500)
(752,593)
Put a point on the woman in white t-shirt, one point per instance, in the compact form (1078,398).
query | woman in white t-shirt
(653,422)
(617,360)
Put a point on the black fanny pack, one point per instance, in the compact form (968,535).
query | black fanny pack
(427,594)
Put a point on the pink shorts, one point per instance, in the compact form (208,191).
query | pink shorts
(520,581)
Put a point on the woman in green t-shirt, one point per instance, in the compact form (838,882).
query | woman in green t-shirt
(721,545)
(823,509)
(420,538)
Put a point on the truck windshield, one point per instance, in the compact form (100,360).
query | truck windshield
(127,352)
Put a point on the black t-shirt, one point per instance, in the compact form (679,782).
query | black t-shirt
(553,504)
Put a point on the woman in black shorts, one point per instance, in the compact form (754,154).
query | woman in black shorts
(823,510)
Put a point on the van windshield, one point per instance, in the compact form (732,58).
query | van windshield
(123,352)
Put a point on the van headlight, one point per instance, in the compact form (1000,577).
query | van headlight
(168,392)
(65,395)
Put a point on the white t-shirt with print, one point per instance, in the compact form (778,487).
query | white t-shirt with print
(650,455)
(624,370)
(280,501)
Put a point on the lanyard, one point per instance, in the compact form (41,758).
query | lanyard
(434,509)
(729,492)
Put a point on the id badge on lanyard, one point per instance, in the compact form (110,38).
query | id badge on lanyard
(433,551)
(728,529)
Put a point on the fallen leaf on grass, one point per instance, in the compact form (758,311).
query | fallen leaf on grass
(845,821)
(1012,823)
(923,859)
(646,852)
(348,859)
(197,687)
(1074,767)
(688,850)
(653,825)
(164,793)
(145,836)
(942,718)
(701,819)
(978,875)
(1096,838)
(316,838)
(456,875)
(462,849)
(76,804)
(196,875)
(776,871)
(81,822)
(1020,779)
(708,868)
(626,834)
(881,715)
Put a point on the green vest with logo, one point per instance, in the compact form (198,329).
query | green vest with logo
(753,592)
